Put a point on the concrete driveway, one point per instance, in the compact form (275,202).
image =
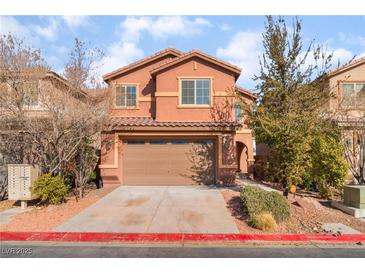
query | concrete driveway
(157,209)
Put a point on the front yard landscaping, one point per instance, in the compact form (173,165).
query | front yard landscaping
(307,214)
(45,218)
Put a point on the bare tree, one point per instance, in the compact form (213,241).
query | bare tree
(353,132)
(45,119)
(82,70)
(18,64)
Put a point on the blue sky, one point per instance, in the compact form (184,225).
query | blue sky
(236,39)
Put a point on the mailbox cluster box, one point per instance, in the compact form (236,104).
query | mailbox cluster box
(20,179)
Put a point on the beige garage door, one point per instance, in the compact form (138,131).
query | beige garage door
(168,162)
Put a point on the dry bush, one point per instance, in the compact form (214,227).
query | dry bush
(264,221)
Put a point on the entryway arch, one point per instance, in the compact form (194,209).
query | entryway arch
(242,157)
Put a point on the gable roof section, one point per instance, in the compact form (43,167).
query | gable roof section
(350,65)
(141,62)
(59,78)
(246,92)
(196,53)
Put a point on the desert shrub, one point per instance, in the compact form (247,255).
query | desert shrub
(256,200)
(327,169)
(51,189)
(264,221)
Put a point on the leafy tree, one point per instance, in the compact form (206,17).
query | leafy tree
(289,117)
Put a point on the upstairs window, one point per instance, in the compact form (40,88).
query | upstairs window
(238,112)
(30,94)
(126,96)
(195,92)
(353,94)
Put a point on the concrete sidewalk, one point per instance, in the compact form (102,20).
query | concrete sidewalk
(157,209)
(7,215)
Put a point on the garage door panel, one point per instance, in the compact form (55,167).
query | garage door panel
(169,162)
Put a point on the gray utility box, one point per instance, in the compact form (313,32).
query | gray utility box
(20,179)
(354,196)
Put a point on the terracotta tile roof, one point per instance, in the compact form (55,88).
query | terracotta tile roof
(349,65)
(142,61)
(120,122)
(247,92)
(202,55)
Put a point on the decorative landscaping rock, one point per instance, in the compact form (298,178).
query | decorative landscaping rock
(338,229)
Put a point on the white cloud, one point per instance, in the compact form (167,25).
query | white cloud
(76,21)
(9,24)
(131,30)
(118,55)
(341,56)
(50,31)
(31,32)
(244,50)
(162,27)
(225,27)
(352,39)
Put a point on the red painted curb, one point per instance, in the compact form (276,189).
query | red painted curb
(174,237)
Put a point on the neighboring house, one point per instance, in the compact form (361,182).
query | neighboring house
(35,89)
(347,107)
(173,122)
(26,93)
(32,93)
(347,84)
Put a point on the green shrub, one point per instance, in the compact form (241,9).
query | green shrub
(328,168)
(256,200)
(50,189)
(264,221)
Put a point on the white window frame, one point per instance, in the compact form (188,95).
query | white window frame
(354,83)
(126,85)
(195,105)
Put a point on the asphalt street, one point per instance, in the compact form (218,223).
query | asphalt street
(91,250)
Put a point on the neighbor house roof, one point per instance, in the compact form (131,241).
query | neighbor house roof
(122,122)
(352,64)
(197,53)
(44,73)
(168,51)
(246,92)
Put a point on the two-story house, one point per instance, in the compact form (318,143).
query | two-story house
(347,106)
(347,84)
(26,98)
(173,122)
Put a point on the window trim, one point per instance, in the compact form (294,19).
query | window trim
(194,78)
(39,105)
(236,106)
(341,94)
(115,96)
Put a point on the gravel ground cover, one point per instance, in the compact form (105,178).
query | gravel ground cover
(44,218)
(307,214)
